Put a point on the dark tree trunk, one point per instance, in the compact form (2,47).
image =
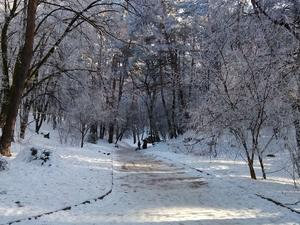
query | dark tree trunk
(83,131)
(150,109)
(249,154)
(251,169)
(117,131)
(5,89)
(111,133)
(262,167)
(134,135)
(41,114)
(153,128)
(19,78)
(174,130)
(111,126)
(250,158)
(296,154)
(297,129)
(102,132)
(120,136)
(82,139)
(38,122)
(177,82)
(171,132)
(93,133)
(54,122)
(24,116)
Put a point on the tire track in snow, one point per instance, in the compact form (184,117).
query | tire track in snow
(278,203)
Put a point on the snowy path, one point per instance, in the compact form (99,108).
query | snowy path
(148,190)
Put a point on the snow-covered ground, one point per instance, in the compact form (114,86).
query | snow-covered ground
(231,188)
(72,176)
(153,186)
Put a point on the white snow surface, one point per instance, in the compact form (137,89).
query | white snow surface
(153,186)
(75,175)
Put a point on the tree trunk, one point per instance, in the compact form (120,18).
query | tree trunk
(134,135)
(19,78)
(117,131)
(177,80)
(251,169)
(42,107)
(82,139)
(36,117)
(297,129)
(54,122)
(262,167)
(24,116)
(5,76)
(111,133)
(5,86)
(250,155)
(174,130)
(153,128)
(111,127)
(171,133)
(119,137)
(39,122)
(250,158)
(102,132)
(93,133)
(296,154)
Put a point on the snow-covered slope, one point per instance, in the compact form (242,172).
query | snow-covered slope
(73,175)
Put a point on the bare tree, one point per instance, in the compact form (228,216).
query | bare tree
(20,73)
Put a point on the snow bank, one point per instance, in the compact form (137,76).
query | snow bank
(38,155)
(69,176)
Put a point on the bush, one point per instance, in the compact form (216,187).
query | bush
(152,139)
(38,155)
(3,164)
(42,155)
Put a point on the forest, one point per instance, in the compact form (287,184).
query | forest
(193,72)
